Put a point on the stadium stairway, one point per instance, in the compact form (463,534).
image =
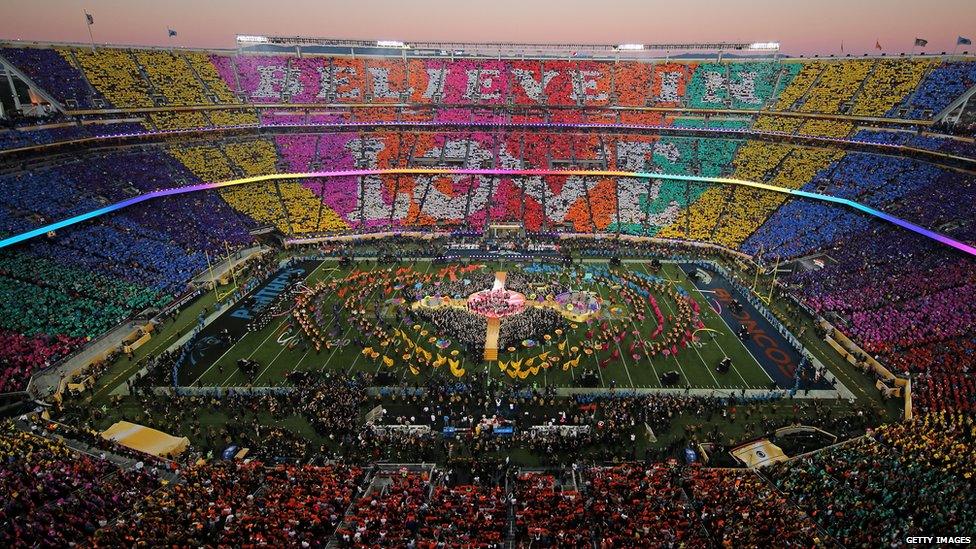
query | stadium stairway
(491,340)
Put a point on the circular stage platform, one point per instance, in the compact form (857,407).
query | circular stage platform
(496,303)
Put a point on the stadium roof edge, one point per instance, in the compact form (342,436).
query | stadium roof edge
(387,51)
(502,46)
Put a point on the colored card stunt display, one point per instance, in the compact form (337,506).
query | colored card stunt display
(315,292)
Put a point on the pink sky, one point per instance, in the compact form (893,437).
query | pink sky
(802,26)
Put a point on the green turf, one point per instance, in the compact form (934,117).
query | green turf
(695,363)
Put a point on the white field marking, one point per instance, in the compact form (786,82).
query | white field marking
(676,361)
(621,351)
(280,324)
(643,350)
(344,334)
(709,311)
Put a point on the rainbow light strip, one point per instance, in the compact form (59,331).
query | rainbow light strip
(961,246)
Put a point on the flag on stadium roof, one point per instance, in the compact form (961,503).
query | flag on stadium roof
(170,32)
(877,44)
(963,41)
(89,18)
(921,42)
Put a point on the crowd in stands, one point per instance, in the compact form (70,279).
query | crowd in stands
(869,492)
(738,508)
(748,209)
(940,87)
(56,497)
(141,78)
(911,323)
(890,80)
(866,491)
(74,285)
(405,507)
(922,140)
(233,503)
(868,179)
(54,71)
(660,504)
(21,355)
(28,136)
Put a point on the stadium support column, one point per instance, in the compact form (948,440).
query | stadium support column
(13,89)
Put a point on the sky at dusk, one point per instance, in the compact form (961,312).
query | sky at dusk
(802,26)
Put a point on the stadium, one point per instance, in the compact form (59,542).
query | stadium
(314,292)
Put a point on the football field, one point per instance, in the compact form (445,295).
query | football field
(280,347)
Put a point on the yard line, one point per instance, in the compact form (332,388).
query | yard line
(702,359)
(400,324)
(273,332)
(273,360)
(307,353)
(619,350)
(709,310)
(346,332)
(327,325)
(643,350)
(229,349)
(284,378)
(668,305)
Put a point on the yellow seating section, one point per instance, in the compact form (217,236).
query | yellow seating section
(257,200)
(892,80)
(303,210)
(233,118)
(208,73)
(704,214)
(179,120)
(804,126)
(799,85)
(750,208)
(172,78)
(753,161)
(259,158)
(838,84)
(205,161)
(115,75)
(786,124)
(826,128)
